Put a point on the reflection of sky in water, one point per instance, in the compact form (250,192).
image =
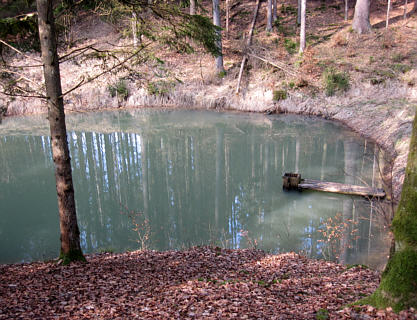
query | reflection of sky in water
(197,177)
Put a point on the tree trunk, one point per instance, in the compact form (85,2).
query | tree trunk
(361,22)
(192,7)
(216,22)
(135,29)
(227,17)
(274,10)
(303,26)
(388,12)
(346,10)
(405,9)
(269,16)
(398,287)
(70,235)
(299,12)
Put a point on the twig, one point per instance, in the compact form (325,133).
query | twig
(21,76)
(104,72)
(22,95)
(18,51)
(275,64)
(73,88)
(83,49)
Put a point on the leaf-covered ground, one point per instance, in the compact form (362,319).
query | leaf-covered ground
(199,283)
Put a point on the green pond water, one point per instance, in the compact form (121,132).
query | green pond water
(174,179)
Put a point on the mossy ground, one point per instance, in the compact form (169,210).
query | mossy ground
(73,255)
(398,288)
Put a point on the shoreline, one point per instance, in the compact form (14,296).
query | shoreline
(386,122)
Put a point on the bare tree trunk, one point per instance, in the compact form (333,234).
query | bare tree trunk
(405,9)
(388,12)
(303,26)
(274,10)
(216,22)
(70,234)
(227,17)
(269,16)
(346,10)
(248,43)
(361,22)
(192,7)
(135,29)
(299,12)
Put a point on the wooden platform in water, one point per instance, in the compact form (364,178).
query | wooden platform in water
(341,188)
(294,181)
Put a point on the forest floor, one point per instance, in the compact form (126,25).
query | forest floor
(198,283)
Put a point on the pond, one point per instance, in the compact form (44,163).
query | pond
(169,179)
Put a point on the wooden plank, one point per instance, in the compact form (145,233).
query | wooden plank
(341,188)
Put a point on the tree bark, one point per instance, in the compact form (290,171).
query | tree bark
(269,16)
(303,26)
(70,235)
(388,12)
(216,22)
(135,29)
(298,12)
(274,10)
(192,7)
(361,22)
(227,4)
(346,10)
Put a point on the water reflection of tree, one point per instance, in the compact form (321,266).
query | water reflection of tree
(221,174)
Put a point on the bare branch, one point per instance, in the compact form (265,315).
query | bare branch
(22,95)
(105,71)
(75,87)
(278,65)
(20,52)
(20,75)
(83,49)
